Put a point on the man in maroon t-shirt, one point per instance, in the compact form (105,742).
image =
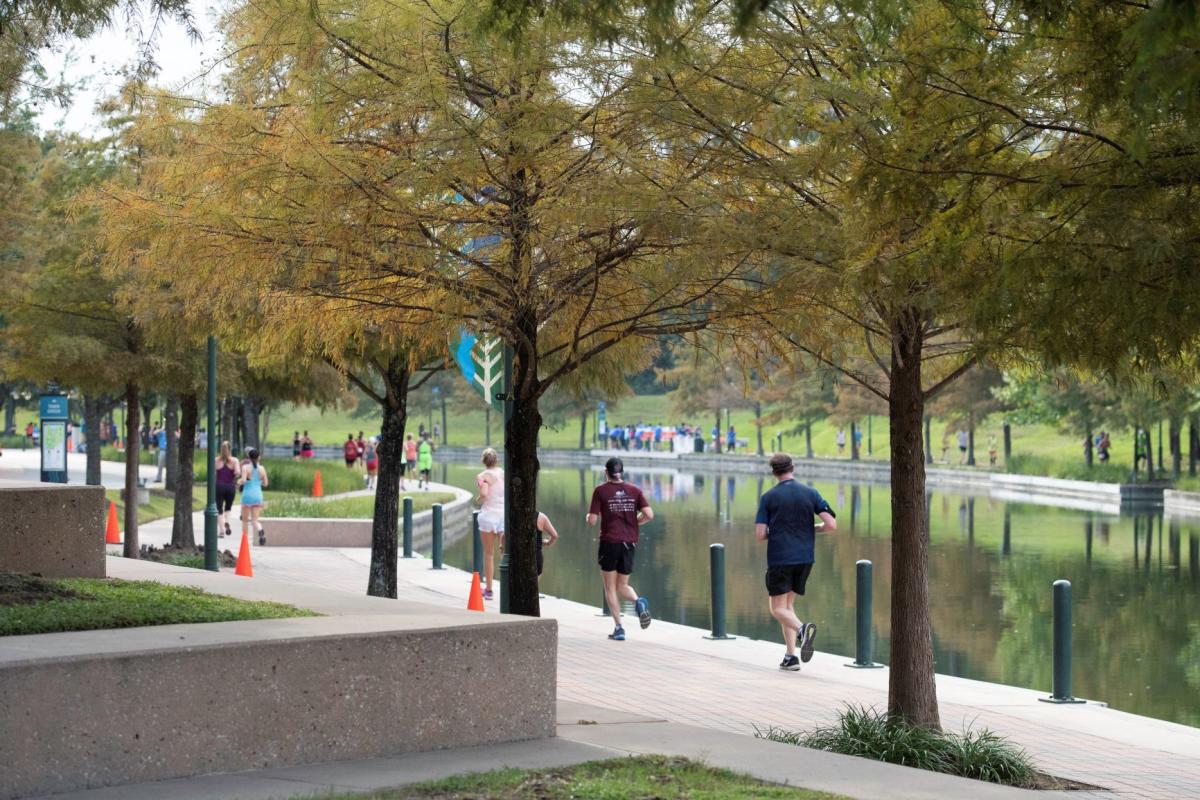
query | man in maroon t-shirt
(619,507)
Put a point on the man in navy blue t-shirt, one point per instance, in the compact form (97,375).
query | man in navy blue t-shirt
(785,520)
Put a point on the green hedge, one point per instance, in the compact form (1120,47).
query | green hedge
(1071,470)
(296,477)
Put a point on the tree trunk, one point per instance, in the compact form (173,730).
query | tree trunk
(1007,444)
(226,425)
(758,424)
(147,405)
(10,411)
(717,443)
(928,440)
(1175,426)
(251,407)
(1193,444)
(854,441)
(92,414)
(183,534)
(381,581)
(172,423)
(133,455)
(520,484)
(265,416)
(583,418)
(808,439)
(912,693)
(971,443)
(1087,447)
(1161,468)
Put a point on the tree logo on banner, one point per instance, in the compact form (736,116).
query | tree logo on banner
(481,361)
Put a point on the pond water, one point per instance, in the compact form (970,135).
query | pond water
(1135,579)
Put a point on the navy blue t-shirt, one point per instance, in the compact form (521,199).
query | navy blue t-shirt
(789,511)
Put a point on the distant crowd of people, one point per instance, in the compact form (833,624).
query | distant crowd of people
(680,438)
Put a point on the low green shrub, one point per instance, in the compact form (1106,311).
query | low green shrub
(296,477)
(1188,483)
(360,507)
(868,733)
(1043,466)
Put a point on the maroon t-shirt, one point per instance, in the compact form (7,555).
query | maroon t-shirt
(618,505)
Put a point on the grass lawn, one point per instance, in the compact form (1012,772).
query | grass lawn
(618,779)
(162,504)
(361,507)
(36,605)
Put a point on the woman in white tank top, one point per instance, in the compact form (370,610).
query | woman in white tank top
(491,515)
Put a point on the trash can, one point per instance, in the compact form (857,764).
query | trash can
(699,444)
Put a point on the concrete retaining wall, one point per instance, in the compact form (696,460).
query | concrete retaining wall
(53,530)
(102,708)
(1181,504)
(334,532)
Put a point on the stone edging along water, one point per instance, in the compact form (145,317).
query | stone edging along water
(1181,504)
(1107,498)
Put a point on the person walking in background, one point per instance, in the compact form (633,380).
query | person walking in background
(350,451)
(945,445)
(1104,446)
(962,447)
(296,446)
(786,522)
(160,441)
(620,508)
(841,441)
(544,526)
(731,440)
(424,462)
(371,458)
(410,459)
(227,483)
(361,444)
(491,514)
(992,450)
(306,446)
(253,480)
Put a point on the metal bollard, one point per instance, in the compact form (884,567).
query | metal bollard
(716,561)
(1062,646)
(408,506)
(504,583)
(437,536)
(476,544)
(864,636)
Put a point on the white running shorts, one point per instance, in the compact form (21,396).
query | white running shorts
(491,521)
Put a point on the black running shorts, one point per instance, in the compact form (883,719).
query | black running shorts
(225,495)
(616,557)
(788,578)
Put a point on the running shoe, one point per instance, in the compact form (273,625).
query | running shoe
(262,536)
(487,594)
(618,634)
(806,647)
(790,663)
(228,530)
(643,611)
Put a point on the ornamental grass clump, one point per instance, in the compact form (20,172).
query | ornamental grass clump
(868,733)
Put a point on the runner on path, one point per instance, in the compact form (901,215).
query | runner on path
(424,462)
(491,514)
(785,520)
(409,464)
(253,480)
(619,507)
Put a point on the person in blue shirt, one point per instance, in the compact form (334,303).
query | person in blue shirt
(786,522)
(161,443)
(731,440)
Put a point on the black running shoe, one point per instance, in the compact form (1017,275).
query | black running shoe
(806,647)
(790,663)
(262,536)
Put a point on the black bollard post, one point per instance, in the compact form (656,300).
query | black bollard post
(476,544)
(716,560)
(863,635)
(1061,692)
(408,514)
(504,583)
(437,536)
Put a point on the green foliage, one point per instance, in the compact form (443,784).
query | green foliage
(617,779)
(1023,464)
(868,733)
(147,458)
(99,604)
(296,477)
(362,507)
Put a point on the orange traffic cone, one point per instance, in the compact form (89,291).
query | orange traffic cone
(475,599)
(317,491)
(112,533)
(243,562)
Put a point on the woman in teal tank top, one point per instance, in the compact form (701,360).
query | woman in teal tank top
(253,480)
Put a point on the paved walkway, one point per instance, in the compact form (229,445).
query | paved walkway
(25,465)
(671,672)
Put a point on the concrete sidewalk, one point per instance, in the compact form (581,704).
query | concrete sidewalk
(733,686)
(585,733)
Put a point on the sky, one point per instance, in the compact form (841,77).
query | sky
(98,62)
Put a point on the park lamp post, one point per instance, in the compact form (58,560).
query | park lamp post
(210,510)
